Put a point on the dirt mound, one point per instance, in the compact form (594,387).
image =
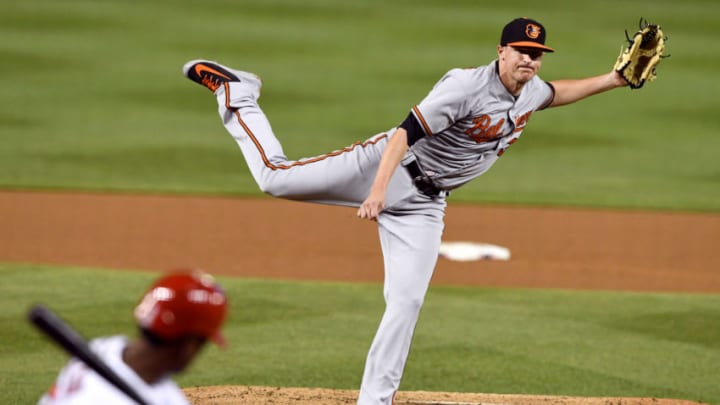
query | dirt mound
(241,395)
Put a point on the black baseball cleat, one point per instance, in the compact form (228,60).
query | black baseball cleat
(213,75)
(209,74)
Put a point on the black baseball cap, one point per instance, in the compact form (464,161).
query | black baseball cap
(524,33)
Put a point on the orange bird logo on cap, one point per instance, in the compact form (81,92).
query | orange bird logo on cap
(532,31)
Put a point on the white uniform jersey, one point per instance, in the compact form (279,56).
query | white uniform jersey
(77,384)
(469,119)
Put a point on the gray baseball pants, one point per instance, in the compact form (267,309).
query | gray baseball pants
(410,227)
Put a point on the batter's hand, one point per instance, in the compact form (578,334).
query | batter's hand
(371,207)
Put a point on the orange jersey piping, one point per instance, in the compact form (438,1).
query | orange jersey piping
(420,118)
(272,166)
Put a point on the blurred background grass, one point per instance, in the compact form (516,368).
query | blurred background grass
(93,97)
(317,334)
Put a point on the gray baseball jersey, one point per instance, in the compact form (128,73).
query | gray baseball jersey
(469,119)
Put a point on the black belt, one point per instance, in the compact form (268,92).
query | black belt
(422,182)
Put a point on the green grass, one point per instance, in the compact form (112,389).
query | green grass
(93,97)
(317,334)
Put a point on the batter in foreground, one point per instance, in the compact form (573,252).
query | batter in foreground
(401,177)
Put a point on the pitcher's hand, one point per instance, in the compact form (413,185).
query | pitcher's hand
(371,207)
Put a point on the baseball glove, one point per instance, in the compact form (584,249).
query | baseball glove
(637,63)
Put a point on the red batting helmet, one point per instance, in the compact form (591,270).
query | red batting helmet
(183,303)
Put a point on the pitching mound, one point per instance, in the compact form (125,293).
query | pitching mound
(240,395)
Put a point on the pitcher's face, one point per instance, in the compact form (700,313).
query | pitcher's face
(520,64)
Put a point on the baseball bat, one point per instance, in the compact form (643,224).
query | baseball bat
(63,334)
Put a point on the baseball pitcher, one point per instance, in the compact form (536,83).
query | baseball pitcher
(402,177)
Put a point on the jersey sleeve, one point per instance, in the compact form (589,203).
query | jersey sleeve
(445,104)
(549,91)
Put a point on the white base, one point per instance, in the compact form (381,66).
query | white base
(470,251)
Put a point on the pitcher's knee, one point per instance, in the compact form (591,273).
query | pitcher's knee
(273,188)
(265,187)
